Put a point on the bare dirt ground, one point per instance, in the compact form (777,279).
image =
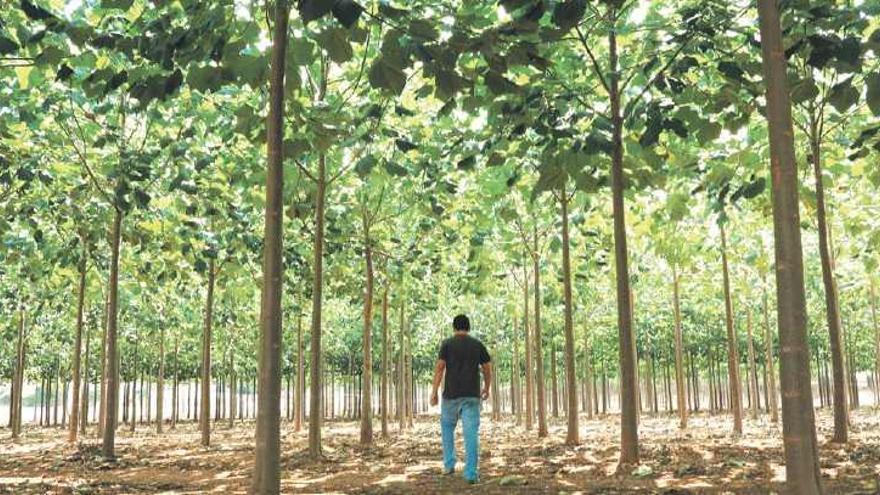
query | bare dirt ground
(705,459)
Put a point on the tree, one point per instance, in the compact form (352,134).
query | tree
(798,423)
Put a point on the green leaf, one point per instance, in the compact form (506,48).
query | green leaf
(804,90)
(396,170)
(311,10)
(385,76)
(301,51)
(205,79)
(843,96)
(365,165)
(7,46)
(567,14)
(421,28)
(35,12)
(347,12)
(872,81)
(335,42)
(116,4)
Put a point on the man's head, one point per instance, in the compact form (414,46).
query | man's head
(461,323)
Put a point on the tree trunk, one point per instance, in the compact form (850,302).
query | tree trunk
(160,390)
(317,293)
(573,435)
(18,379)
(384,386)
(174,391)
(873,296)
(299,404)
(832,307)
(588,372)
(267,475)
(768,357)
(232,397)
(84,398)
(629,435)
(679,361)
(77,348)
(112,357)
(366,389)
(798,422)
(530,406)
(539,358)
(753,371)
(205,411)
(102,405)
(735,391)
(554,381)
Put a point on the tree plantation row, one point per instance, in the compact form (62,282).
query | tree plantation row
(213,211)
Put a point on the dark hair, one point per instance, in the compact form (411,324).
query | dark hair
(461,322)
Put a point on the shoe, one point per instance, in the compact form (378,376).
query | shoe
(472,481)
(448,471)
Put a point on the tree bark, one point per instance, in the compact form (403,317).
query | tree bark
(77,347)
(366,389)
(832,305)
(873,296)
(798,421)
(267,468)
(205,411)
(84,405)
(539,358)
(18,378)
(112,357)
(753,371)
(573,435)
(160,390)
(530,407)
(384,386)
(629,435)
(679,360)
(317,294)
(768,357)
(734,385)
(299,404)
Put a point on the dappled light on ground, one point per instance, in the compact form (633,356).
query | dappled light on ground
(704,459)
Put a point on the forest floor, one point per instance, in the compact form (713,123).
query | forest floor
(705,459)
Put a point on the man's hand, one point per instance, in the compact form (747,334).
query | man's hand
(434,399)
(484,394)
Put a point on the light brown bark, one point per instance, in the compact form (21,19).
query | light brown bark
(798,421)
(734,384)
(267,469)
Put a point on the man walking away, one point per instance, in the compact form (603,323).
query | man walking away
(461,357)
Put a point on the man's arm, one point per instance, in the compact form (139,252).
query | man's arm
(439,368)
(487,379)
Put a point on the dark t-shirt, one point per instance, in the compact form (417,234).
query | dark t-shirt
(463,356)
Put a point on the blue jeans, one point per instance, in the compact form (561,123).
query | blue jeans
(468,408)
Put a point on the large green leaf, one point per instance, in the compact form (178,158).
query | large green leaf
(843,96)
(387,77)
(872,81)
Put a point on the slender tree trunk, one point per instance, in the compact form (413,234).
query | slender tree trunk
(77,348)
(768,357)
(832,306)
(798,422)
(401,373)
(112,357)
(629,436)
(735,390)
(18,379)
(679,361)
(160,390)
(317,293)
(366,389)
(539,353)
(267,475)
(554,381)
(84,405)
(174,391)
(384,386)
(530,407)
(299,404)
(205,411)
(573,435)
(753,372)
(873,296)
(589,391)
(102,405)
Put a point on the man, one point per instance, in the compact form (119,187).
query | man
(461,357)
